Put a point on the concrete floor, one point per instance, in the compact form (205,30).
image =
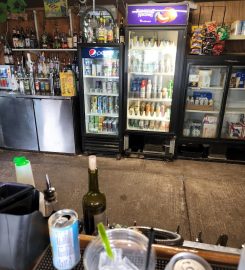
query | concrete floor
(198,196)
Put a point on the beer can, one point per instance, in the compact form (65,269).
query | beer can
(186,261)
(110,104)
(105,104)
(99,104)
(101,119)
(104,125)
(109,86)
(63,231)
(114,125)
(96,123)
(109,125)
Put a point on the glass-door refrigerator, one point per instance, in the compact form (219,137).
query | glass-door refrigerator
(100,68)
(233,127)
(155,38)
(204,95)
(5,77)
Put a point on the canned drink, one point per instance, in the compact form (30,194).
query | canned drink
(141,124)
(96,123)
(116,104)
(104,86)
(101,119)
(63,231)
(91,124)
(136,123)
(146,124)
(104,125)
(110,104)
(114,125)
(186,261)
(131,122)
(99,104)
(105,105)
(93,104)
(109,125)
(109,86)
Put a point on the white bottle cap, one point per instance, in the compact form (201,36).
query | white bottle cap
(92,163)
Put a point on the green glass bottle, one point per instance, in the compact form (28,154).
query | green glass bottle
(94,202)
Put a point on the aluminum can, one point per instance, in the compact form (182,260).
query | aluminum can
(109,86)
(116,104)
(105,104)
(99,104)
(63,231)
(146,124)
(96,123)
(104,125)
(110,104)
(186,261)
(114,125)
(109,125)
(114,87)
(141,124)
(101,119)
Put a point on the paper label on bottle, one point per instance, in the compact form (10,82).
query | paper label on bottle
(99,218)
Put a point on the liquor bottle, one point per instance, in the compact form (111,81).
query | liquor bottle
(110,32)
(6,55)
(17,38)
(56,44)
(69,40)
(27,39)
(101,30)
(14,38)
(64,44)
(94,202)
(80,38)
(57,90)
(74,39)
(22,38)
(33,39)
(116,33)
(90,33)
(148,89)
(121,31)
(105,31)
(94,26)
(44,40)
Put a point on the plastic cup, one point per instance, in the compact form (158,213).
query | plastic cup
(131,243)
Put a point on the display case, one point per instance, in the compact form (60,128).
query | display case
(5,77)
(234,123)
(204,96)
(101,85)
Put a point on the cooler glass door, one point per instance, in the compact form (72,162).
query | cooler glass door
(151,69)
(101,89)
(234,123)
(204,96)
(5,77)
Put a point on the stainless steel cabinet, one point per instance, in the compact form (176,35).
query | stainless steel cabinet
(55,125)
(17,124)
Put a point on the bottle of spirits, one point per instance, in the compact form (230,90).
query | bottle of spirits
(56,44)
(101,30)
(90,33)
(22,38)
(33,39)
(14,39)
(69,40)
(75,39)
(110,32)
(121,31)
(94,202)
(44,40)
(6,55)
(27,39)
(116,33)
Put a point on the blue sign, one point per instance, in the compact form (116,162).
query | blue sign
(99,53)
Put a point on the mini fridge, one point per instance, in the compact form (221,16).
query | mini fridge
(100,73)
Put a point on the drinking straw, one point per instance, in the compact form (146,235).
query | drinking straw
(151,239)
(105,240)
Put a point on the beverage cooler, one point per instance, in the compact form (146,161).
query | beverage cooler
(5,77)
(100,67)
(155,38)
(213,123)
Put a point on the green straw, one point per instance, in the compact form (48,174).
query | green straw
(105,240)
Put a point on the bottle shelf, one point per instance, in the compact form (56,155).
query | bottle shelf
(206,88)
(103,114)
(102,94)
(151,73)
(149,48)
(45,50)
(102,132)
(101,77)
(165,100)
(237,89)
(237,37)
(153,118)
(5,88)
(145,129)
(199,111)
(235,111)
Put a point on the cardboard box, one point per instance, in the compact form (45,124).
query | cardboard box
(67,84)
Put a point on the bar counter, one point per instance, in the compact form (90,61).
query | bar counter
(218,260)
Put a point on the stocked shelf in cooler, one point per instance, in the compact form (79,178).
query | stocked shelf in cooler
(102,94)
(205,88)
(103,132)
(151,73)
(103,114)
(101,77)
(198,111)
(155,118)
(237,89)
(167,100)
(147,129)
(234,110)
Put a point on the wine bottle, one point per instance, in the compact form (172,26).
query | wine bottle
(94,202)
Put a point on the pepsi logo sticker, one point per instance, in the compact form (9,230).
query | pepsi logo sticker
(92,52)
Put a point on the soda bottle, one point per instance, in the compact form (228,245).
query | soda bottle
(142,89)
(148,89)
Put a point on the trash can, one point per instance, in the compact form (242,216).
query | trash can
(23,229)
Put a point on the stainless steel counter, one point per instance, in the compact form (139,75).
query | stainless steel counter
(39,123)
